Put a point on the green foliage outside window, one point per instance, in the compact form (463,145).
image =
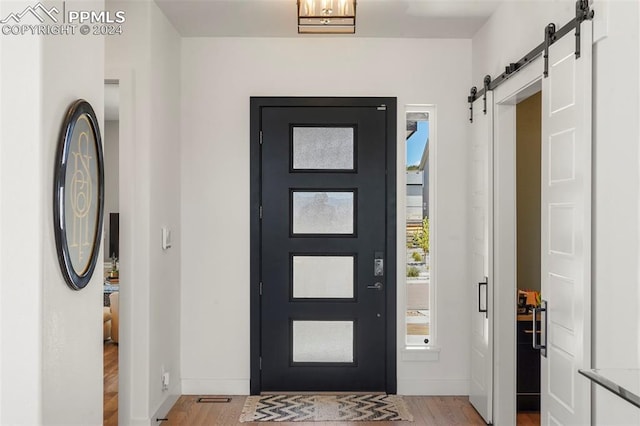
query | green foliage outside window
(413,272)
(421,236)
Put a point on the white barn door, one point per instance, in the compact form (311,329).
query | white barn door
(481,390)
(566,232)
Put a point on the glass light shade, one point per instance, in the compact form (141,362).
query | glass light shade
(327,16)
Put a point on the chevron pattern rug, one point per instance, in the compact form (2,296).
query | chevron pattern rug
(322,408)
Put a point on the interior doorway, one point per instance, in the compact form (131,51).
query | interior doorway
(528,249)
(566,192)
(111,286)
(507,96)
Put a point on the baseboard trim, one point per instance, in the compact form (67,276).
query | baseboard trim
(405,387)
(215,386)
(141,422)
(164,408)
(433,387)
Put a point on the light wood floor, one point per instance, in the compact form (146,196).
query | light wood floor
(436,411)
(110,414)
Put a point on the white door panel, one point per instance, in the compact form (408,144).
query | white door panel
(566,231)
(481,391)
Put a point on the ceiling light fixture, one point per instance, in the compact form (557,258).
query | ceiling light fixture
(326,16)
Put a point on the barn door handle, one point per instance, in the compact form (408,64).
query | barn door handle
(542,347)
(486,290)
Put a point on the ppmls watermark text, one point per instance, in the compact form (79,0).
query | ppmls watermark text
(41,20)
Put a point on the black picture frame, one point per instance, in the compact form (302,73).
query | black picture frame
(78,194)
(114,235)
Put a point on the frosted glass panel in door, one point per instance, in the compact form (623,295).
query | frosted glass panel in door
(323,212)
(323,277)
(323,341)
(323,148)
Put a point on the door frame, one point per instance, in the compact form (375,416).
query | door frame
(130,377)
(527,82)
(524,84)
(256,105)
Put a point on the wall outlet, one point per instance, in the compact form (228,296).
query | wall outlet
(165,380)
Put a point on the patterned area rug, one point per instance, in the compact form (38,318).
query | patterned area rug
(322,408)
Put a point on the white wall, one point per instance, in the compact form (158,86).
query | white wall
(111,137)
(51,335)
(1,215)
(515,29)
(72,320)
(148,54)
(218,77)
(164,342)
(21,246)
(616,235)
(128,55)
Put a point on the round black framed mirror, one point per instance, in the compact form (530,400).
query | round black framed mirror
(78,199)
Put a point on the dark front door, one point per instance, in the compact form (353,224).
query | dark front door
(325,255)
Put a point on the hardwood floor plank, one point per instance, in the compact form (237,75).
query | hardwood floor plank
(110,384)
(528,419)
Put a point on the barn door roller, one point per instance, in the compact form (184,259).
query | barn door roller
(551,35)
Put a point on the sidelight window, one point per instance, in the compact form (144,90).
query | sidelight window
(419,227)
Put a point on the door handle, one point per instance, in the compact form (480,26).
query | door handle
(376,286)
(542,347)
(480,284)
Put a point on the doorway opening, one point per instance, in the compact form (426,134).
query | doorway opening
(528,255)
(566,192)
(111,287)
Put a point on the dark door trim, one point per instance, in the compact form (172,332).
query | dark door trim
(257,103)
